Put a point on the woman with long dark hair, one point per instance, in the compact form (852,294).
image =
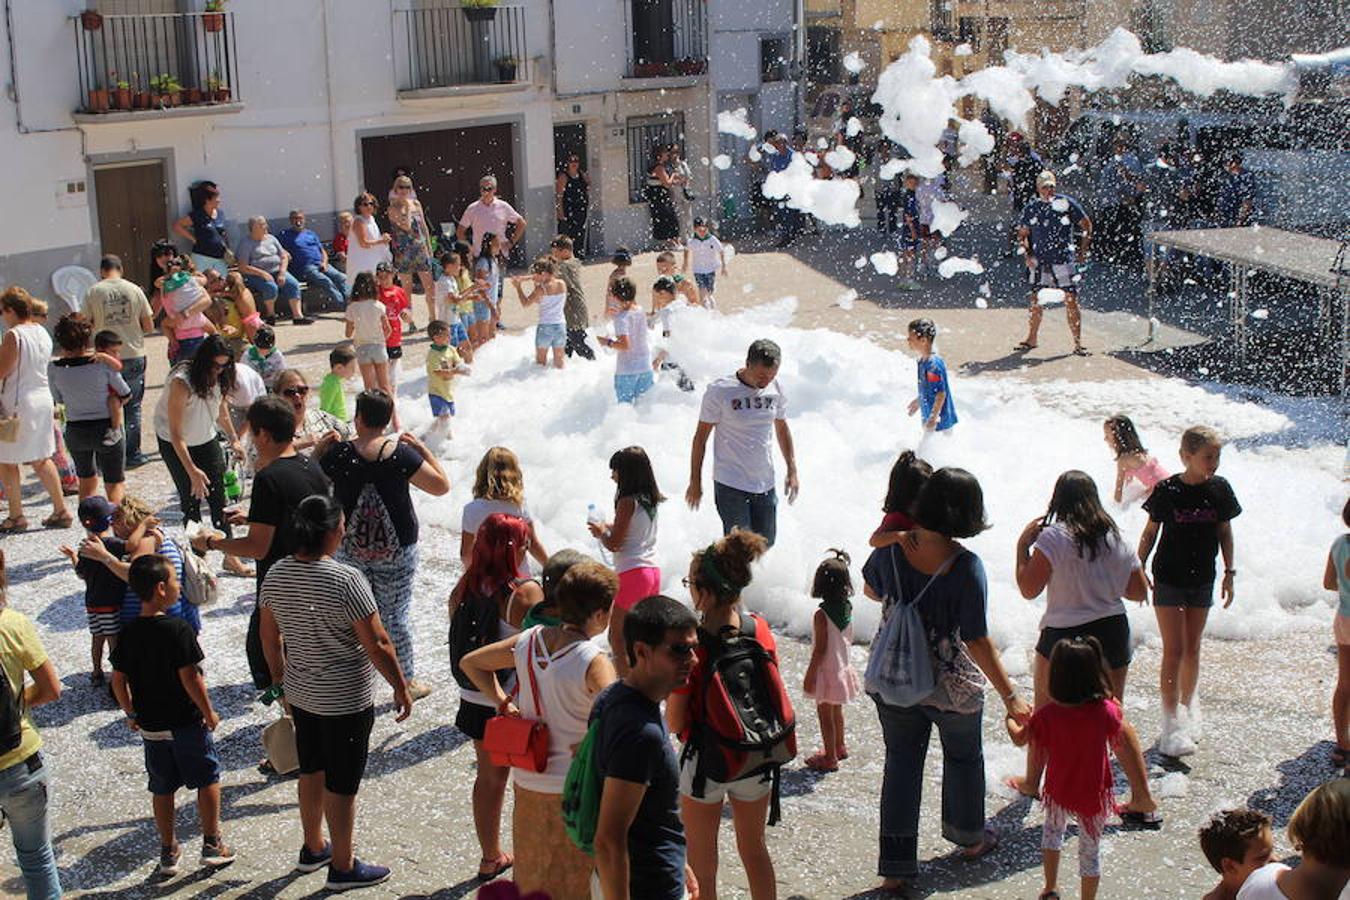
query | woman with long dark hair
(659,193)
(572,192)
(187,416)
(1075,553)
(204,226)
(323,640)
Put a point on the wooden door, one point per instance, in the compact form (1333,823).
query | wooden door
(133,212)
(446,165)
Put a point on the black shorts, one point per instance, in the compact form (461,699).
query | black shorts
(1113,633)
(394,352)
(334,745)
(472,718)
(84,440)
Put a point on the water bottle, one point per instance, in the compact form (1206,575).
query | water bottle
(233,489)
(594,516)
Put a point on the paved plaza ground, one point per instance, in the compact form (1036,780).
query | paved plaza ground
(1265,700)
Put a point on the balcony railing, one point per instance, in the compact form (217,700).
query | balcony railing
(155,61)
(669,38)
(448,45)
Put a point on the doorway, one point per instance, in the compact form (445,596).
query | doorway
(446,165)
(133,212)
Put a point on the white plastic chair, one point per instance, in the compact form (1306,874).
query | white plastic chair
(71,283)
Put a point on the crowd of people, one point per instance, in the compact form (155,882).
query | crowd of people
(572,681)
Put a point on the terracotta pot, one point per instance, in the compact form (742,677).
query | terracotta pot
(121,98)
(98,100)
(194,96)
(140,100)
(213,21)
(174,98)
(221,95)
(91,20)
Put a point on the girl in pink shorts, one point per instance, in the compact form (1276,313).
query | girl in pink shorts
(631,537)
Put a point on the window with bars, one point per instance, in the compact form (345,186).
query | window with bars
(773,58)
(644,136)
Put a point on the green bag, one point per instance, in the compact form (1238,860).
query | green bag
(581,793)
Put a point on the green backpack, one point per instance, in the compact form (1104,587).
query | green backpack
(581,793)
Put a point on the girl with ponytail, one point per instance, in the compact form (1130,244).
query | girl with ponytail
(830,678)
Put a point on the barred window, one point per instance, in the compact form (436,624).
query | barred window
(644,136)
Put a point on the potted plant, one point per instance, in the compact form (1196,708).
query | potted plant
(98,100)
(506,68)
(689,66)
(213,19)
(173,90)
(121,92)
(479,10)
(91,20)
(193,95)
(644,69)
(140,99)
(218,89)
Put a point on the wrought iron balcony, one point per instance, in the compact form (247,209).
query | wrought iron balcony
(670,38)
(448,45)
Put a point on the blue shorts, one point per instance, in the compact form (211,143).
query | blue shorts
(705,280)
(187,760)
(482,311)
(629,387)
(457,334)
(550,336)
(441,406)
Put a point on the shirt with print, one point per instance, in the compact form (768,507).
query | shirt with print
(119,306)
(632,744)
(21,651)
(705,254)
(83,384)
(278,489)
(150,652)
(1190,515)
(438,383)
(933,381)
(316,603)
(395,301)
(745,417)
(1051,226)
(375,497)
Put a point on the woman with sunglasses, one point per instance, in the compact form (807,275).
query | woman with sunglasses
(311,423)
(189,411)
(411,241)
(367,246)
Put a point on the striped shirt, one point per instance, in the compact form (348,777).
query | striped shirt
(315,603)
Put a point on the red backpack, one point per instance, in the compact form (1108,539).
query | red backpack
(742,722)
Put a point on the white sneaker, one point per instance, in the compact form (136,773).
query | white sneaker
(1174,740)
(1194,722)
(112,436)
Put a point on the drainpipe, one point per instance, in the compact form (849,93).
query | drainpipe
(14,80)
(799,52)
(332,107)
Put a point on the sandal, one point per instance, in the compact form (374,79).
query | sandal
(1151,821)
(58,520)
(893,887)
(1023,347)
(983,848)
(13,525)
(1340,757)
(1049,895)
(498,866)
(1081,351)
(822,763)
(235,567)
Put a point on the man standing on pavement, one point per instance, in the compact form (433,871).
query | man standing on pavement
(1046,231)
(748,410)
(490,215)
(309,260)
(789,219)
(639,838)
(117,305)
(575,311)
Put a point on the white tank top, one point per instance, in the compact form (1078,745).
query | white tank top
(639,544)
(561,680)
(551,309)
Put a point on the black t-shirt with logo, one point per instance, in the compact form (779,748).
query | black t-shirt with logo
(375,497)
(149,652)
(1190,515)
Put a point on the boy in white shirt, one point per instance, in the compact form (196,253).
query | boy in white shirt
(704,251)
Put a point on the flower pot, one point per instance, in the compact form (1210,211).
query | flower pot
(213,21)
(121,98)
(98,100)
(506,72)
(194,96)
(140,100)
(480,13)
(91,20)
(174,98)
(221,95)
(649,70)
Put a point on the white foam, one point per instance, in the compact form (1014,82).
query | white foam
(840,158)
(1050,296)
(845,300)
(885,262)
(736,122)
(854,63)
(833,201)
(721,161)
(947,216)
(954,264)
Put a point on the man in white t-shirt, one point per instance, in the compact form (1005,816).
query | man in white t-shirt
(747,410)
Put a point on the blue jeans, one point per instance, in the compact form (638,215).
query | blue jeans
(329,280)
(268,290)
(742,509)
(133,373)
(23,799)
(905,730)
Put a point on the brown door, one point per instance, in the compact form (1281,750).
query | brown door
(132,212)
(446,165)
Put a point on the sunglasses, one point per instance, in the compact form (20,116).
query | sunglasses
(486,190)
(297,391)
(364,203)
(690,582)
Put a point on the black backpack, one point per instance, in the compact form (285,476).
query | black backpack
(474,625)
(11,715)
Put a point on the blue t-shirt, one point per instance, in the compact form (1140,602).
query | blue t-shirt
(208,233)
(304,247)
(1052,225)
(1340,554)
(632,744)
(933,381)
(779,160)
(1235,191)
(1118,180)
(183,609)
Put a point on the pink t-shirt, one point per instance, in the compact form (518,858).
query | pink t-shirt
(193,326)
(482,219)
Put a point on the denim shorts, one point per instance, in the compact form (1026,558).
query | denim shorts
(1201,597)
(745,790)
(706,280)
(187,759)
(627,388)
(371,353)
(457,334)
(482,312)
(549,336)
(441,406)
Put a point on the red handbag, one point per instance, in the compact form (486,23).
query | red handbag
(517,741)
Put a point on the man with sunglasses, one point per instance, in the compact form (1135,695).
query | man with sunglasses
(639,838)
(490,215)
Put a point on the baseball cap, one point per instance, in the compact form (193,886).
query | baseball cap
(1045,178)
(622,257)
(96,513)
(699,220)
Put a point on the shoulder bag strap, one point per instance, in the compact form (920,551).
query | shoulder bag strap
(941,570)
(534,685)
(16,373)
